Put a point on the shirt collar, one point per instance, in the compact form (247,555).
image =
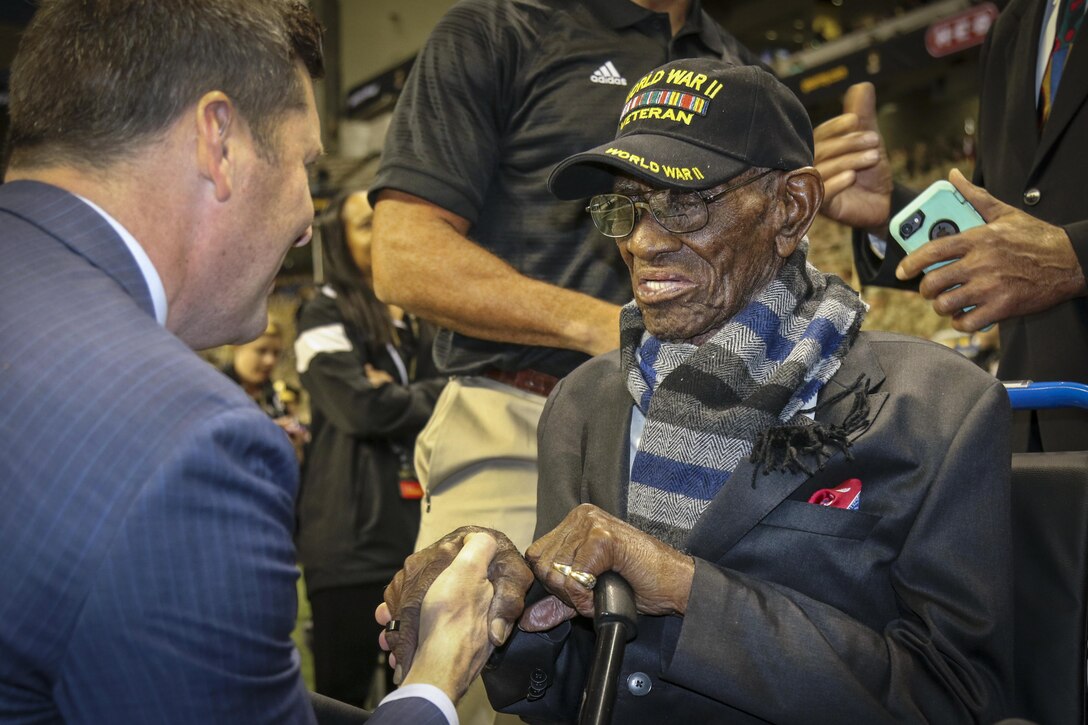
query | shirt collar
(147,269)
(705,27)
(617,14)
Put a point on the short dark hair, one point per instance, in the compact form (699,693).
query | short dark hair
(94,79)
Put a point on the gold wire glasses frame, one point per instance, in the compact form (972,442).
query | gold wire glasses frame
(615,215)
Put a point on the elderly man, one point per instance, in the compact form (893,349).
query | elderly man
(157,178)
(813,519)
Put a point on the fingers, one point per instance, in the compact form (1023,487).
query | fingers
(583,540)
(382,615)
(405,593)
(478,549)
(860,100)
(862,148)
(849,154)
(454,643)
(546,614)
(836,184)
(593,541)
(474,553)
(511,577)
(855,156)
(986,205)
(837,126)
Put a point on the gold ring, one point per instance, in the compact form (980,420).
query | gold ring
(582,577)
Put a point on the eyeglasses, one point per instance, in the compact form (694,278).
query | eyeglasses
(680,212)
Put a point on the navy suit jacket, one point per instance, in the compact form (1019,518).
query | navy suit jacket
(146,505)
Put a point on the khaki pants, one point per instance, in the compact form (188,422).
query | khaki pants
(476,461)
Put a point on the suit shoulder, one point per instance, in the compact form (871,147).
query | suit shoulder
(591,373)
(921,359)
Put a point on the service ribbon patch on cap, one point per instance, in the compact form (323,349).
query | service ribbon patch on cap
(676,99)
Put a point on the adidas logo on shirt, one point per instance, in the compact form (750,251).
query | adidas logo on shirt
(608,75)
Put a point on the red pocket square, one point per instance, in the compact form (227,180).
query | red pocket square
(847,495)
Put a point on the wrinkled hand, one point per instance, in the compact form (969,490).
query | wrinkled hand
(851,158)
(376,377)
(1013,265)
(453,635)
(508,573)
(593,541)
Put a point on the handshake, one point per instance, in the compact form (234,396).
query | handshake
(455,601)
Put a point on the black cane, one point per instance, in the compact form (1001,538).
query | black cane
(615,623)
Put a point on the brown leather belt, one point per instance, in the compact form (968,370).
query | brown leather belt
(530,381)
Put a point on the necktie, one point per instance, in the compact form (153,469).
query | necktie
(1070,16)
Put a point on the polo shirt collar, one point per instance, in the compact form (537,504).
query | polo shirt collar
(705,27)
(618,14)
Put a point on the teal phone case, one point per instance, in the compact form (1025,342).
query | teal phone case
(939,203)
(944,211)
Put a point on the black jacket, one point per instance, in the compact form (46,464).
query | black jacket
(353,525)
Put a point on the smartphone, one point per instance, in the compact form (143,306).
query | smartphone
(939,211)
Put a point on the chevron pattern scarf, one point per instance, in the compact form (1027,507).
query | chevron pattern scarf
(706,406)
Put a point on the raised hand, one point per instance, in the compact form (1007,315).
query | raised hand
(853,163)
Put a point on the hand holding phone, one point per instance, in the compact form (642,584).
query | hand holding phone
(939,211)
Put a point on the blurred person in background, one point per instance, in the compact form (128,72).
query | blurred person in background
(252,366)
(372,383)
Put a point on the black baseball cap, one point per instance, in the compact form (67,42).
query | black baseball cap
(694,124)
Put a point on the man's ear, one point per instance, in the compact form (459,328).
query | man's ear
(803,195)
(216,138)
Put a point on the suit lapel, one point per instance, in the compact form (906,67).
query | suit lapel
(740,505)
(1072,93)
(1022,93)
(66,218)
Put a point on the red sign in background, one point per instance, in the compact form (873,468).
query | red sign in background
(961,31)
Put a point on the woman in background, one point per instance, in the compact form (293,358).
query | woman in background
(252,366)
(372,385)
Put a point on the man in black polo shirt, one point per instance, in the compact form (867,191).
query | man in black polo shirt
(467,234)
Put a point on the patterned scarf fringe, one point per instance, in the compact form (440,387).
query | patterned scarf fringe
(781,448)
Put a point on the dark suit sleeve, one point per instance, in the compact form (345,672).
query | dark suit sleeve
(191,614)
(877,271)
(409,710)
(774,652)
